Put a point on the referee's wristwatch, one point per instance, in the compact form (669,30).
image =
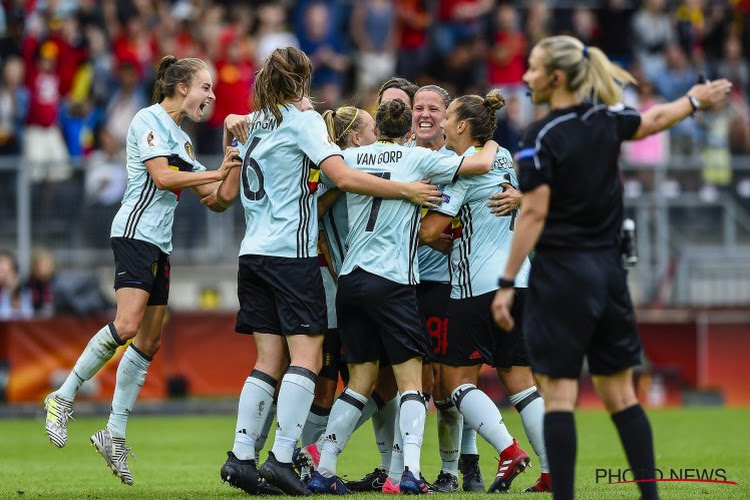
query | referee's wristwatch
(694,102)
(503,283)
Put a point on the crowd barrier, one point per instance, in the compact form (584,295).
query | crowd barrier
(687,352)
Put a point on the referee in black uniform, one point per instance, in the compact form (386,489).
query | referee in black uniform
(578,302)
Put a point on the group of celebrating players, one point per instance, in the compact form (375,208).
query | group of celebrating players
(347,298)
(390,290)
(398,290)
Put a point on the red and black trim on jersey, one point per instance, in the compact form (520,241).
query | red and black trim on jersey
(308,186)
(148,193)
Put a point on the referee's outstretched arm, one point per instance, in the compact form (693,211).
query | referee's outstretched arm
(664,116)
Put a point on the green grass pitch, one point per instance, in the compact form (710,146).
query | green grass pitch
(180,457)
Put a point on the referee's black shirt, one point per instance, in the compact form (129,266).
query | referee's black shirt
(575,151)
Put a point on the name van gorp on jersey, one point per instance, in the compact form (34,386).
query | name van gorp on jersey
(375,159)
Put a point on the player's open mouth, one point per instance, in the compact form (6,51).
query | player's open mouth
(425,125)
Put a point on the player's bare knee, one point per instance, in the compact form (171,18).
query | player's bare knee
(362,386)
(616,399)
(126,328)
(560,394)
(275,366)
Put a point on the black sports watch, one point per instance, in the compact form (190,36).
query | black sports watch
(694,102)
(503,283)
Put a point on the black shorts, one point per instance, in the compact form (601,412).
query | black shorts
(280,295)
(433,307)
(474,337)
(333,362)
(378,319)
(579,305)
(139,264)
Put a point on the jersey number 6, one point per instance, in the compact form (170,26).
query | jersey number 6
(252,163)
(376,202)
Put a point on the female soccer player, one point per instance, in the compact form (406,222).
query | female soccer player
(481,246)
(383,404)
(347,127)
(282,301)
(398,88)
(377,289)
(160,162)
(578,302)
(456,439)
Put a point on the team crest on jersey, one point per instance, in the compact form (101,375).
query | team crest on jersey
(189,150)
(151,139)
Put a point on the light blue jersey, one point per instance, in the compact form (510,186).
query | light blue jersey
(383,233)
(280,173)
(433,265)
(147,213)
(482,240)
(336,226)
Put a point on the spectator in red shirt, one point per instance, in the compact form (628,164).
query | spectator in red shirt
(235,74)
(507,61)
(44,149)
(413,22)
(135,43)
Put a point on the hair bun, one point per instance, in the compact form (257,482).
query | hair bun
(396,107)
(494,100)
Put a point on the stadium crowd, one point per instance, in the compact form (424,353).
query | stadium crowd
(74,73)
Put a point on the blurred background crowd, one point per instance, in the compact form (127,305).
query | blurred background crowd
(75,72)
(80,69)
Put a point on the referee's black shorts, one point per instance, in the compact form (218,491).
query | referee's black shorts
(280,295)
(378,319)
(474,338)
(579,305)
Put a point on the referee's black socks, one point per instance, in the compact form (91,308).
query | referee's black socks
(560,442)
(635,433)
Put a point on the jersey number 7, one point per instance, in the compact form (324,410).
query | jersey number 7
(376,202)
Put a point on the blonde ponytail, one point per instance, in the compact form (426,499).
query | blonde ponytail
(341,123)
(589,71)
